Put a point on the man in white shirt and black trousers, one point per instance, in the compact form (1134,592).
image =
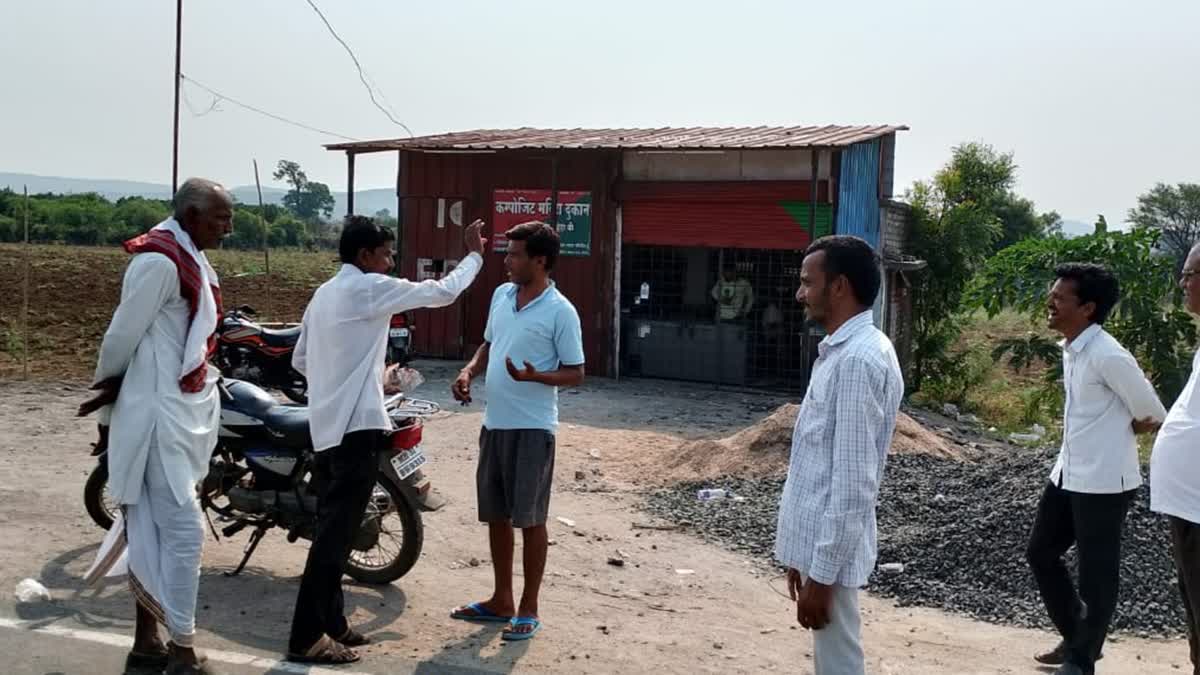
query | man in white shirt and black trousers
(1175,473)
(1108,401)
(343,341)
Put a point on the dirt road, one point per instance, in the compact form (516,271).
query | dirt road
(725,616)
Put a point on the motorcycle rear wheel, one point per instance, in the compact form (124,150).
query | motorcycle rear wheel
(389,559)
(95,497)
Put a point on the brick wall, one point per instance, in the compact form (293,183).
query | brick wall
(894,229)
(894,233)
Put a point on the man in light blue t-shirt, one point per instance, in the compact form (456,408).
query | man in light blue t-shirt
(530,323)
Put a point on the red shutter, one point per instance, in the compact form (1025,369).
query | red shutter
(759,215)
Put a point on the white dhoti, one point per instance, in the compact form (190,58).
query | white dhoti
(162,433)
(158,542)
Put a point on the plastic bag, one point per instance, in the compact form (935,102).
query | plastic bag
(397,380)
(29,590)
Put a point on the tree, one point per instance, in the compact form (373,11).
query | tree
(309,200)
(1146,321)
(135,215)
(1174,211)
(1019,220)
(1101,224)
(247,230)
(1027,351)
(954,227)
(1052,224)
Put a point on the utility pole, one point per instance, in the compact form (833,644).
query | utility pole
(178,79)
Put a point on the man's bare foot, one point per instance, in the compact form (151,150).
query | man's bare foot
(490,610)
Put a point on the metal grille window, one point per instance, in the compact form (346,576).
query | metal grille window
(725,316)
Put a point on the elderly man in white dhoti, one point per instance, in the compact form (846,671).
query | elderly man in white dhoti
(158,395)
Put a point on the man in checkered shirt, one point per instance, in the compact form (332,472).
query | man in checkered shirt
(826,534)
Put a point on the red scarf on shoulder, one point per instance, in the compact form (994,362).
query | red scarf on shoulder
(162,241)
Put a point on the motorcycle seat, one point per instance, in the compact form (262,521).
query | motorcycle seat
(281,337)
(288,424)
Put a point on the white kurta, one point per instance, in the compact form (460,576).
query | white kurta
(145,343)
(344,338)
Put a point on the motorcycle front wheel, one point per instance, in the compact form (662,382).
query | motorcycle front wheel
(396,537)
(96,499)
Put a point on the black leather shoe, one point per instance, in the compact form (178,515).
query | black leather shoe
(1058,655)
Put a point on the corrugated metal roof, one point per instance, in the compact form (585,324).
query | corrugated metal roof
(664,138)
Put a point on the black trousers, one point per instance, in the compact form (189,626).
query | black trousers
(345,478)
(1185,540)
(1094,524)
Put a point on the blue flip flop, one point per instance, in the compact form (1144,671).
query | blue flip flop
(481,614)
(513,636)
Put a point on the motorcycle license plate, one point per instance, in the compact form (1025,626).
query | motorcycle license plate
(398,332)
(407,462)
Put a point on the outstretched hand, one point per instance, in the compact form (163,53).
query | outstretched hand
(473,238)
(528,374)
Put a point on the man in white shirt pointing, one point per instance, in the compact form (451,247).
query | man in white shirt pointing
(341,351)
(1108,401)
(1175,473)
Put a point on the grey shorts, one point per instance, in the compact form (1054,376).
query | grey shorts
(516,468)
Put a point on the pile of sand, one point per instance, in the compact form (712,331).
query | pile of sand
(764,448)
(912,439)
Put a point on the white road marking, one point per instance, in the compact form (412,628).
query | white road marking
(125,642)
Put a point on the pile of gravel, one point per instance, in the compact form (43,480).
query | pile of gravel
(960,530)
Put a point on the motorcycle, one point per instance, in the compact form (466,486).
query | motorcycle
(250,351)
(259,478)
(399,349)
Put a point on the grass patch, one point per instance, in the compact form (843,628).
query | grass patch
(74,289)
(1009,399)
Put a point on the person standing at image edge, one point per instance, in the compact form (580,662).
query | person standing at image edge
(1097,473)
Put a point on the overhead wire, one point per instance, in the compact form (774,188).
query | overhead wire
(222,97)
(361,73)
(187,101)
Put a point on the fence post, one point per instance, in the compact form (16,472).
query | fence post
(266,246)
(25,295)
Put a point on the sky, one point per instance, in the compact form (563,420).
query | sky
(1098,100)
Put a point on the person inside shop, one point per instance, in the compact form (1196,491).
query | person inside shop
(733,294)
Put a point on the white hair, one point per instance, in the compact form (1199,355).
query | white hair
(199,194)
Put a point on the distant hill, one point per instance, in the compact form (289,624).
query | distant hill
(1077,228)
(366,202)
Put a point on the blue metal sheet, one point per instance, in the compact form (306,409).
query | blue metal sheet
(858,192)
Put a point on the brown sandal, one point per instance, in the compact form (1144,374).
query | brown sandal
(326,652)
(353,638)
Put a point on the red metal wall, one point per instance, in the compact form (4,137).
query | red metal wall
(586,281)
(720,215)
